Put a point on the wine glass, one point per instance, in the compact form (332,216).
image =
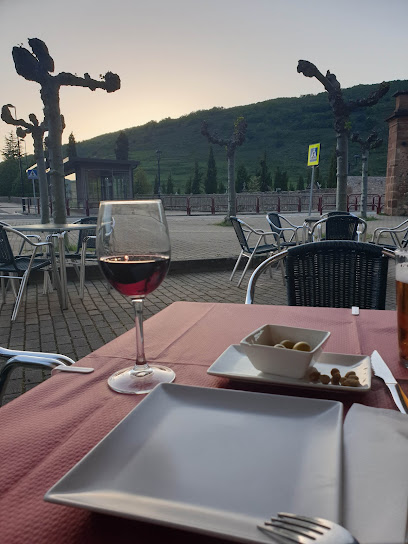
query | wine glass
(133,250)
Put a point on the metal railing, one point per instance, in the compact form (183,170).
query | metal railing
(245,203)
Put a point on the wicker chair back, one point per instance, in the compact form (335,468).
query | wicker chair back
(341,227)
(337,274)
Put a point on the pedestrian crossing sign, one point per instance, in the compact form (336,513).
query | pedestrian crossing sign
(313,156)
(32,174)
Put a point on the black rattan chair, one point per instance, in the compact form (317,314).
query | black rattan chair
(336,274)
(331,214)
(340,227)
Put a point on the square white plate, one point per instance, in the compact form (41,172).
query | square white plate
(213,461)
(235,365)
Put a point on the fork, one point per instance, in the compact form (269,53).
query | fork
(288,528)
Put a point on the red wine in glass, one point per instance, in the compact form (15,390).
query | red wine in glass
(135,275)
(133,249)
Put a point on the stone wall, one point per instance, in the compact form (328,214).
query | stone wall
(376,185)
(396,194)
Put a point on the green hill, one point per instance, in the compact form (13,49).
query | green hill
(283,127)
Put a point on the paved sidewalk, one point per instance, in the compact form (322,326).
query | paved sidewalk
(203,254)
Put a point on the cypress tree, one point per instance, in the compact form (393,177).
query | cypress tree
(170,186)
(284,181)
(195,186)
(141,183)
(72,152)
(277,179)
(122,147)
(210,183)
(10,183)
(242,180)
(265,179)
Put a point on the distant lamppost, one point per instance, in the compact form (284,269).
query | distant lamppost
(19,156)
(158,153)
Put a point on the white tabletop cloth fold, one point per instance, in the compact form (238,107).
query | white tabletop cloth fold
(376,475)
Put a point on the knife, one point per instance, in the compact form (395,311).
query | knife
(382,371)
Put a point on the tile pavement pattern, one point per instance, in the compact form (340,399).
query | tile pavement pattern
(203,255)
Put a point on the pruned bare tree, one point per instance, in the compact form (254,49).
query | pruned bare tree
(371,142)
(341,109)
(36,66)
(36,130)
(231,144)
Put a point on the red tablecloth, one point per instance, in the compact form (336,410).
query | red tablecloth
(49,429)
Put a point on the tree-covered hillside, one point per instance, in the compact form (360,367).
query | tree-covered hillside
(283,128)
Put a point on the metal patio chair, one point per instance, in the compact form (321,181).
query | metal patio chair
(287,232)
(18,268)
(34,236)
(398,236)
(335,274)
(340,227)
(27,359)
(86,241)
(260,247)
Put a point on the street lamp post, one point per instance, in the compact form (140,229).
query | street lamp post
(158,153)
(19,159)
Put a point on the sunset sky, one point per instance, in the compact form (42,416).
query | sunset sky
(179,56)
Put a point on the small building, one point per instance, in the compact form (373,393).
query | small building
(93,180)
(396,188)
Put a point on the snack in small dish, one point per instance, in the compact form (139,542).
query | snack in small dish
(272,349)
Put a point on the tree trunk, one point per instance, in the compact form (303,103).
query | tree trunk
(232,201)
(342,171)
(50,97)
(364,183)
(42,177)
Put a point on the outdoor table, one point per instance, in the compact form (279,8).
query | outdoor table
(59,231)
(46,431)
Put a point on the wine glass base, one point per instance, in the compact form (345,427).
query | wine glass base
(124,381)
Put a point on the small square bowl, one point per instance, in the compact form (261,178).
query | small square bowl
(260,350)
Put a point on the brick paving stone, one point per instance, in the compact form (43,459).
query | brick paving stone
(34,376)
(15,385)
(49,347)
(30,386)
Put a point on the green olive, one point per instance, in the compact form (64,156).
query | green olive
(302,346)
(287,344)
(279,346)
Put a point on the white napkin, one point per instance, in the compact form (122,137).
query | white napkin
(376,475)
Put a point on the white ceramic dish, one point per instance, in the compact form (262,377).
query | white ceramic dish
(213,461)
(260,348)
(235,365)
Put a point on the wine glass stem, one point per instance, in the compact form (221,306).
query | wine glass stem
(140,366)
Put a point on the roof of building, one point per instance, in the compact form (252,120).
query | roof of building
(71,163)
